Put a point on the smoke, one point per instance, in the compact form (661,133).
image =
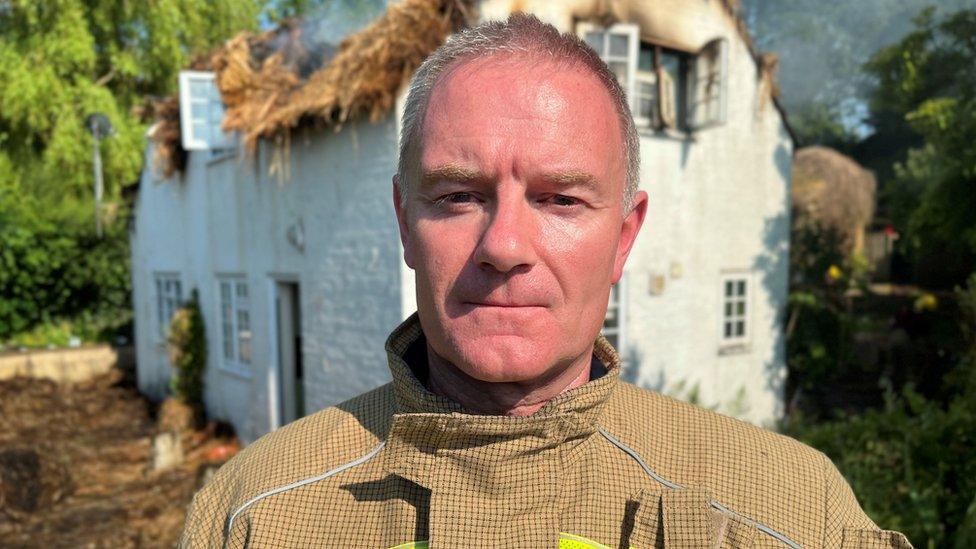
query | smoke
(823,47)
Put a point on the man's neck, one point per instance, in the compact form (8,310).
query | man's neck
(522,398)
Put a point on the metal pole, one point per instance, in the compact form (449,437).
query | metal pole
(97,155)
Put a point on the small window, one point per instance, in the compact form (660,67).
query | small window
(169,298)
(735,309)
(613,322)
(201,112)
(617,45)
(708,87)
(235,325)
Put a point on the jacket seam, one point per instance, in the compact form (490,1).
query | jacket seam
(675,486)
(297,484)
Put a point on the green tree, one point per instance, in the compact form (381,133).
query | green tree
(61,60)
(927,95)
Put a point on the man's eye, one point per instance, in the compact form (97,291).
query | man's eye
(456,198)
(563,200)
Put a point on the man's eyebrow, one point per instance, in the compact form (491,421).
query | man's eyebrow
(450,172)
(571,178)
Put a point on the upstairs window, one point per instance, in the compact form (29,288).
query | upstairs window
(708,85)
(667,89)
(201,112)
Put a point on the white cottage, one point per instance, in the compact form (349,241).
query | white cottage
(294,247)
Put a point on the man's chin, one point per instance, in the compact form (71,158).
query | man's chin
(505,359)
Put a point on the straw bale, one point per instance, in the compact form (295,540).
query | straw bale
(833,191)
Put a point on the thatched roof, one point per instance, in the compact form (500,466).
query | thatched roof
(275,81)
(833,191)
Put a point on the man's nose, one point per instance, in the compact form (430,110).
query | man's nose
(507,241)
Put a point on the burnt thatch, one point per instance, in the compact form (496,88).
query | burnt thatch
(268,97)
(169,157)
(833,192)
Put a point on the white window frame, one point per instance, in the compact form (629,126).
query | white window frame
(169,298)
(618,303)
(231,331)
(729,315)
(632,33)
(709,68)
(216,138)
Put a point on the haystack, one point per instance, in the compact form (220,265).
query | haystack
(834,192)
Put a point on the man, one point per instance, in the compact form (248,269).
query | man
(505,424)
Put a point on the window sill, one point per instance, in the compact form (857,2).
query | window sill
(734,349)
(235,371)
(667,133)
(218,156)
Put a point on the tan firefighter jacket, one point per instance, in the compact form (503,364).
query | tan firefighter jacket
(603,465)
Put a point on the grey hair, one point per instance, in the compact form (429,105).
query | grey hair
(520,34)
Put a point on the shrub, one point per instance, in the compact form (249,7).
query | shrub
(187,343)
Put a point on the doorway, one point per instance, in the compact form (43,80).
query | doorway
(291,386)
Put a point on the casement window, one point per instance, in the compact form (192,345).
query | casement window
(169,298)
(613,323)
(202,112)
(667,88)
(235,325)
(708,85)
(736,289)
(617,45)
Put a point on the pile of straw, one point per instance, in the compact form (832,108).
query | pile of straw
(833,191)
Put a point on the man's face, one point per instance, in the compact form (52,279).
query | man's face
(516,227)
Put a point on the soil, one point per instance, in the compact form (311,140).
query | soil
(75,466)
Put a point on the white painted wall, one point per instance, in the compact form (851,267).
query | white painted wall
(719,202)
(230,218)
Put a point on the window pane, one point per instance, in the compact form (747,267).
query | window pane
(200,130)
(618,45)
(241,289)
(594,40)
(200,88)
(729,287)
(645,59)
(740,328)
(728,329)
(728,309)
(742,287)
(740,308)
(619,69)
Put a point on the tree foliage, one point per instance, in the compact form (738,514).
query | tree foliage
(61,60)
(928,89)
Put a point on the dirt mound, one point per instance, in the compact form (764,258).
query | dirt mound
(75,467)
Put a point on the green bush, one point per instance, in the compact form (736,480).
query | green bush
(912,463)
(54,270)
(187,341)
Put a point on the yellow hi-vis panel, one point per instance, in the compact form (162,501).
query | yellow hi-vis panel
(566,541)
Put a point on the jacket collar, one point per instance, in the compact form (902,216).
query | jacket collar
(427,425)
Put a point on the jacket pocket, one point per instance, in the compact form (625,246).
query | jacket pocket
(869,538)
(686,519)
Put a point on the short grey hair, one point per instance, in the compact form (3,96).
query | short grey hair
(520,34)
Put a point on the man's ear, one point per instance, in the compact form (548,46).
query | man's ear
(628,234)
(401,213)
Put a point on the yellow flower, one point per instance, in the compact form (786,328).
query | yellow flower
(926,302)
(834,273)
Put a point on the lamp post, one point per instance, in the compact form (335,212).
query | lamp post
(100,128)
